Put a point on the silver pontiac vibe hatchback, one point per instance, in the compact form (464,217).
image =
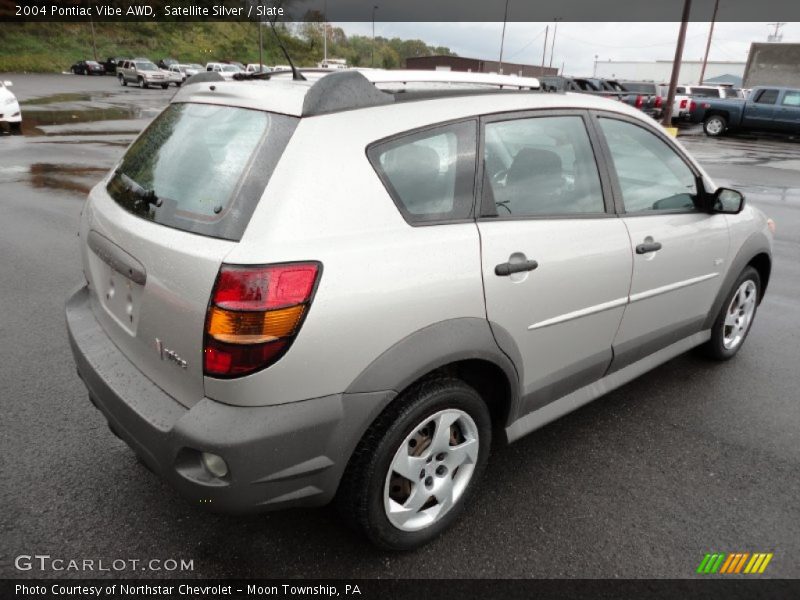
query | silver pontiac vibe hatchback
(337,287)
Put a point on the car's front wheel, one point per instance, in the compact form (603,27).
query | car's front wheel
(142,83)
(417,465)
(736,316)
(715,125)
(122,81)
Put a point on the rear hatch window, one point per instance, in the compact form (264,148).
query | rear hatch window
(201,168)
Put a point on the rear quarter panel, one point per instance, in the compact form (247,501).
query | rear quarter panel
(382,278)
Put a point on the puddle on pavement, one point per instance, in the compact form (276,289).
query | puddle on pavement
(66,97)
(34,119)
(78,179)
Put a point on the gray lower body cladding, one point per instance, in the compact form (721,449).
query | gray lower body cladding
(278,456)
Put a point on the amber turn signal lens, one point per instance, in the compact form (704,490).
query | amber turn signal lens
(245,327)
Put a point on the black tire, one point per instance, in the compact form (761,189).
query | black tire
(122,81)
(143,84)
(360,495)
(74,70)
(715,125)
(164,86)
(16,128)
(715,347)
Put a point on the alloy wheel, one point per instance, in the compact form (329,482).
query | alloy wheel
(431,470)
(739,315)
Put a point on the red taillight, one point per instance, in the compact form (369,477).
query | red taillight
(639,102)
(692,106)
(683,103)
(254,314)
(658,102)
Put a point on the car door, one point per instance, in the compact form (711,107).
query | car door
(760,113)
(680,250)
(787,114)
(556,261)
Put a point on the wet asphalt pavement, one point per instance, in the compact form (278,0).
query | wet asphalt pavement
(693,457)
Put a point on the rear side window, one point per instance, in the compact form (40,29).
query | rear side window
(201,168)
(767,97)
(430,174)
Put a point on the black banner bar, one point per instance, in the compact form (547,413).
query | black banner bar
(393,10)
(484,589)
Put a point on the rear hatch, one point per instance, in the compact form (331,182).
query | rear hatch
(156,232)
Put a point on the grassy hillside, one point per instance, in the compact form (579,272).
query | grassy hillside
(53,47)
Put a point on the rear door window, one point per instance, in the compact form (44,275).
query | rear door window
(766,97)
(201,168)
(541,166)
(430,174)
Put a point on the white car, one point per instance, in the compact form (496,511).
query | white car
(477,259)
(257,68)
(9,108)
(227,71)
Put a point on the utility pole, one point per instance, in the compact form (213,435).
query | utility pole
(544,52)
(94,43)
(372,59)
(594,72)
(502,40)
(676,64)
(775,37)
(553,45)
(325,33)
(708,43)
(260,38)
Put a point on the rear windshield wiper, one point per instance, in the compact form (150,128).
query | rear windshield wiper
(149,196)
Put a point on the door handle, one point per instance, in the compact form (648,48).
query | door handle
(507,268)
(648,247)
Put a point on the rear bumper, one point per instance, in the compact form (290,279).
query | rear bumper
(277,456)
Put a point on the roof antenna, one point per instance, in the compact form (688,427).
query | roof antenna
(296,75)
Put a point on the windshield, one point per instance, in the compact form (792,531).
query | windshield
(229,68)
(91,62)
(185,170)
(146,66)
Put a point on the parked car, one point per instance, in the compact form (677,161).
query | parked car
(765,109)
(110,65)
(142,73)
(263,338)
(645,96)
(227,71)
(10,113)
(257,68)
(87,67)
(176,75)
(682,105)
(166,63)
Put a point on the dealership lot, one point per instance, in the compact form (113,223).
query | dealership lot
(693,457)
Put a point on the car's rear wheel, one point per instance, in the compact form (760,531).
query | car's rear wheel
(16,128)
(715,125)
(736,317)
(417,465)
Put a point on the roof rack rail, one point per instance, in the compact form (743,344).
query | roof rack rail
(361,88)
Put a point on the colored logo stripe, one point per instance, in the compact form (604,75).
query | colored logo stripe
(734,562)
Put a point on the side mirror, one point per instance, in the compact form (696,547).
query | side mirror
(727,201)
(7,83)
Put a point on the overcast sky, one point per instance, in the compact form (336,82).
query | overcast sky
(577,44)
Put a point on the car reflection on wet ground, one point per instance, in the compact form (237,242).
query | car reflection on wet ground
(689,458)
